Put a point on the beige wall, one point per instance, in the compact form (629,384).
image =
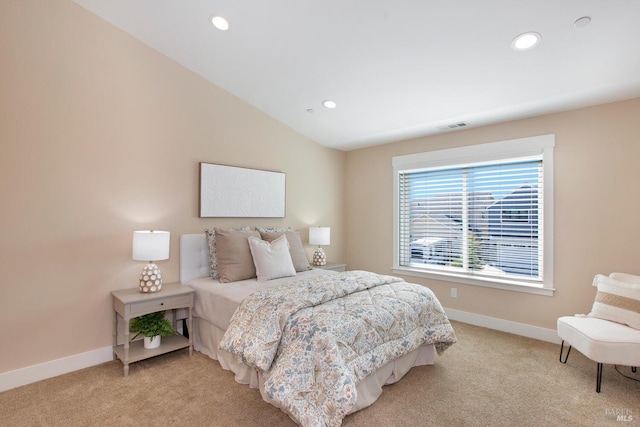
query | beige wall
(596,208)
(100,136)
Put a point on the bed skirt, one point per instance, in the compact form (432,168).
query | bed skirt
(207,336)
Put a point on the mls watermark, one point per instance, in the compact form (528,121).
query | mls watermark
(619,414)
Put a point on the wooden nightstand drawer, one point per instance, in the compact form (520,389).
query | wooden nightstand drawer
(167,303)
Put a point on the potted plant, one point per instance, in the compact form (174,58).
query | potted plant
(151,326)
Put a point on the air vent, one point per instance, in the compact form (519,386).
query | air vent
(454,126)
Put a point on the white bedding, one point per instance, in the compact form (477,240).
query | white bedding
(215,304)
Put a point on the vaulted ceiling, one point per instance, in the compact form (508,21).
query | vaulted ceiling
(396,69)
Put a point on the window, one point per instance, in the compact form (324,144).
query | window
(480,214)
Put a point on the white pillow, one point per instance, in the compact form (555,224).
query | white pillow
(272,260)
(625,277)
(617,301)
(296,250)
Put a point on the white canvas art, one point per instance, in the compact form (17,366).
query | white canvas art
(230,191)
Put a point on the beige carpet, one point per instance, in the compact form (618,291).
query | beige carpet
(488,378)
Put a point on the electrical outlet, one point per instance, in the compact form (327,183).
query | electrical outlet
(454,292)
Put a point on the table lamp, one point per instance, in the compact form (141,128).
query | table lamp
(150,245)
(319,236)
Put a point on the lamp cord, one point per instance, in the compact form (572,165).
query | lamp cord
(626,376)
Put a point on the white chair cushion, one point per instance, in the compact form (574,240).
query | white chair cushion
(601,340)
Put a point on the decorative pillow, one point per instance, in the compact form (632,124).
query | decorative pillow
(617,301)
(624,277)
(272,229)
(213,256)
(296,250)
(234,256)
(271,259)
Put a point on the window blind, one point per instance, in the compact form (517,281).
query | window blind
(477,220)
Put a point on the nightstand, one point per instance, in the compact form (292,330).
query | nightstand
(331,266)
(131,303)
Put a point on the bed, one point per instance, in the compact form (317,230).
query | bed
(216,312)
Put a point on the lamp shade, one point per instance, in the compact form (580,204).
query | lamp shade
(319,235)
(151,245)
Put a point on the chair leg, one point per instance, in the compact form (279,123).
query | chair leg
(599,378)
(561,351)
(599,369)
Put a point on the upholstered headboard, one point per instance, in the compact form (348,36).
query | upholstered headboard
(194,257)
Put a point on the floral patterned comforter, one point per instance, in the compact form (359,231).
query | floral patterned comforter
(314,340)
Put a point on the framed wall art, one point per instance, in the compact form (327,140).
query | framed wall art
(231,191)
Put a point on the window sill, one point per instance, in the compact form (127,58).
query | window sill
(487,283)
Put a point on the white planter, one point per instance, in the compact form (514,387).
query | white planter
(152,342)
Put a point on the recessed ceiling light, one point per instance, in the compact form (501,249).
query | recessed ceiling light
(220,23)
(526,41)
(329,103)
(582,22)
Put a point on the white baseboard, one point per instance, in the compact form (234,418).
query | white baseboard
(522,329)
(53,368)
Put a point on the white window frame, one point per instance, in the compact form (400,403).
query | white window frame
(477,154)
